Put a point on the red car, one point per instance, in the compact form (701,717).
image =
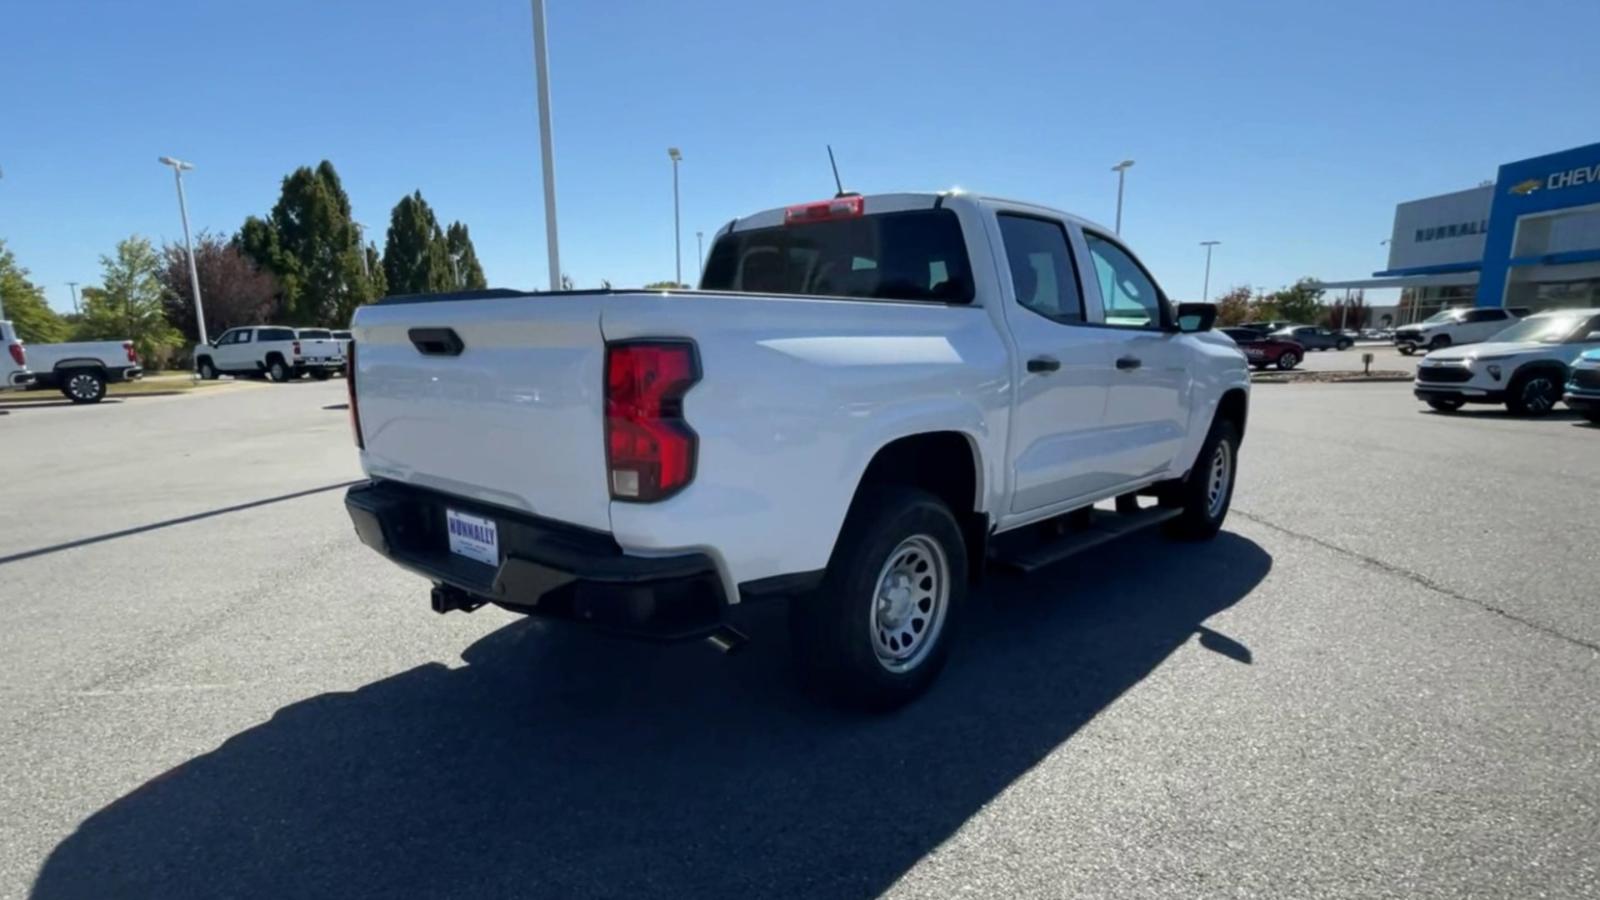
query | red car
(1263,350)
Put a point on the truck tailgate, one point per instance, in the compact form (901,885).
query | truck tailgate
(513,419)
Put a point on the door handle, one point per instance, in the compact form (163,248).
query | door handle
(1128,362)
(1042,364)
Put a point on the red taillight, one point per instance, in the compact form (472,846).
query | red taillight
(350,391)
(825,210)
(650,450)
(18,355)
(296,348)
(133,355)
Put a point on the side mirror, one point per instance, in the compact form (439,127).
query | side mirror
(1194,317)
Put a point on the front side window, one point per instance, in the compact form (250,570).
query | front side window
(1042,271)
(1130,297)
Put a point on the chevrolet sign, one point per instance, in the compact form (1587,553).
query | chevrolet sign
(1573,177)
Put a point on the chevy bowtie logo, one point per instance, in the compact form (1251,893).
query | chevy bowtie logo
(1525,188)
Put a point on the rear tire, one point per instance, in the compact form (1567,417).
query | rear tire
(277,371)
(83,385)
(878,630)
(1288,360)
(1447,406)
(1207,492)
(1342,345)
(1534,393)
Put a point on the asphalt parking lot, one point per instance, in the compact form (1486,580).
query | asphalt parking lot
(1381,680)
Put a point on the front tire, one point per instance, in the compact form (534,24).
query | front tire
(84,386)
(1447,406)
(1534,394)
(1439,343)
(878,630)
(1207,492)
(208,372)
(1288,360)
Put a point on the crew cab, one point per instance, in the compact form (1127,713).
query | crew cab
(80,370)
(271,350)
(1263,350)
(867,400)
(1524,367)
(1453,327)
(1583,386)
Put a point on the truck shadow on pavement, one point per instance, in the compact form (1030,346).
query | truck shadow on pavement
(559,763)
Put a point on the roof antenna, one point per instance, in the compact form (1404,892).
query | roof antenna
(836,182)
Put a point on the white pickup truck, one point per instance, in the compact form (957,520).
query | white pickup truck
(80,370)
(868,399)
(281,354)
(1454,327)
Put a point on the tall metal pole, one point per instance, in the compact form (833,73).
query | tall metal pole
(361,238)
(541,64)
(1121,169)
(1205,292)
(455,268)
(700,253)
(74,286)
(677,233)
(178,166)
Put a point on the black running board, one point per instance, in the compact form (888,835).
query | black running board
(1102,527)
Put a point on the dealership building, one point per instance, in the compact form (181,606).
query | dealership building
(1530,238)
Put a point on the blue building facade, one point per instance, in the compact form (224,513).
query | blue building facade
(1546,215)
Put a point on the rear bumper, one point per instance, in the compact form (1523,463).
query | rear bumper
(332,365)
(547,568)
(125,373)
(20,379)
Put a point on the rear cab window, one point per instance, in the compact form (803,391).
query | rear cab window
(917,255)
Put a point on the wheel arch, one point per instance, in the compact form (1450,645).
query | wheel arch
(947,464)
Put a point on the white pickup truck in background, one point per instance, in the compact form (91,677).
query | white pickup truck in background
(868,399)
(80,370)
(279,353)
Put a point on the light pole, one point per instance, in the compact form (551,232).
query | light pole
(541,64)
(677,243)
(1121,169)
(455,268)
(1205,292)
(361,239)
(700,253)
(178,167)
(74,286)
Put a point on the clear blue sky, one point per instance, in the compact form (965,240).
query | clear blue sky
(1286,130)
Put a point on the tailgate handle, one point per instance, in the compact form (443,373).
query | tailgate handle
(436,341)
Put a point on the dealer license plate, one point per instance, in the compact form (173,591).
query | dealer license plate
(473,537)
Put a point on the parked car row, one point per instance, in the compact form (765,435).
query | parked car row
(1529,367)
(79,370)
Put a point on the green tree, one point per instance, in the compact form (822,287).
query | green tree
(128,305)
(1300,302)
(665,286)
(1234,307)
(311,246)
(459,245)
(24,304)
(416,257)
(380,284)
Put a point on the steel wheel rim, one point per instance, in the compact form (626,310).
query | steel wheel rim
(909,602)
(82,386)
(1219,478)
(1537,395)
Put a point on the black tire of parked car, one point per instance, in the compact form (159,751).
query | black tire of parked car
(1439,342)
(1534,393)
(1288,360)
(321,374)
(207,370)
(83,385)
(1344,345)
(1205,503)
(278,371)
(840,642)
(1406,349)
(1447,405)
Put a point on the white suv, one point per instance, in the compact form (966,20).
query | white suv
(1524,367)
(1451,327)
(277,352)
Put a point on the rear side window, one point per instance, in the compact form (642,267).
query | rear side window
(276,334)
(314,334)
(913,255)
(1042,271)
